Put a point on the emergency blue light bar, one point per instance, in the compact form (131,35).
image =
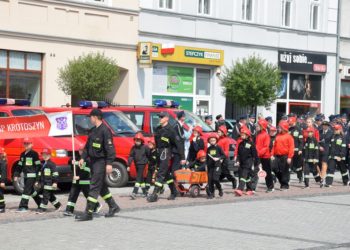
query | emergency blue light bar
(16,102)
(93,104)
(166,103)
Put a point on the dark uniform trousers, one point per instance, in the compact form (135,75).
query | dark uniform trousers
(309,168)
(332,164)
(48,195)
(282,171)
(98,185)
(175,163)
(266,165)
(245,172)
(214,178)
(2,199)
(164,173)
(149,178)
(29,192)
(140,180)
(297,164)
(225,172)
(74,194)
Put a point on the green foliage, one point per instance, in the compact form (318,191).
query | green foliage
(89,77)
(251,82)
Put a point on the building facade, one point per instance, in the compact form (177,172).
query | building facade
(37,37)
(298,35)
(344,55)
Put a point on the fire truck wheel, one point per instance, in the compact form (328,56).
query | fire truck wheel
(119,177)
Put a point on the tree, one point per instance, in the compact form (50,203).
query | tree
(89,77)
(251,82)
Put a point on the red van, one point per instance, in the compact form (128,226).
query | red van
(61,147)
(123,130)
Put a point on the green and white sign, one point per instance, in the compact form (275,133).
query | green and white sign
(186,103)
(202,54)
(180,80)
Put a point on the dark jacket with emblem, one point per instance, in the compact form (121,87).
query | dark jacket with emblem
(337,147)
(139,154)
(297,135)
(29,164)
(180,135)
(196,145)
(165,137)
(84,172)
(247,155)
(311,150)
(214,151)
(100,145)
(48,174)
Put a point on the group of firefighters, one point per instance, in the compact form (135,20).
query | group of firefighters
(311,147)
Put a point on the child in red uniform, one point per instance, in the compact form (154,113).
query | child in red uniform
(283,152)
(263,148)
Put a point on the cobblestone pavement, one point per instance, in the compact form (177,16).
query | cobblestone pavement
(294,219)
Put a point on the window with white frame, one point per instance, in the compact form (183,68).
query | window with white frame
(166,4)
(204,7)
(286,13)
(314,14)
(247,10)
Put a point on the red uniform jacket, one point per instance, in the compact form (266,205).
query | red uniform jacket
(316,134)
(284,145)
(263,145)
(224,143)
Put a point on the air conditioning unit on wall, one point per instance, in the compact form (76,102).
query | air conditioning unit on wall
(346,72)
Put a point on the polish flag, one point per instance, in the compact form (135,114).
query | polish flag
(168,48)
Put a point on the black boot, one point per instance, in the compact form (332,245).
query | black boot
(144,192)
(113,208)
(173,191)
(234,183)
(87,215)
(154,196)
(221,192)
(134,193)
(84,217)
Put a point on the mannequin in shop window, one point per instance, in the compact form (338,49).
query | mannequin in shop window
(307,89)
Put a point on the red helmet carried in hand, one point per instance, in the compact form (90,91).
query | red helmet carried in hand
(200,154)
(139,136)
(223,129)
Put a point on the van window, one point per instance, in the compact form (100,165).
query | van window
(3,114)
(137,118)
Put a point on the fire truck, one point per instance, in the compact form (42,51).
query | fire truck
(61,147)
(123,130)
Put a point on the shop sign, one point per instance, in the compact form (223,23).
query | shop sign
(302,62)
(144,53)
(189,55)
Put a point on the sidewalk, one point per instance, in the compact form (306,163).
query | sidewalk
(126,204)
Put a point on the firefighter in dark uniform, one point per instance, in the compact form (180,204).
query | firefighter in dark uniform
(180,133)
(297,161)
(30,165)
(252,126)
(100,150)
(166,139)
(326,135)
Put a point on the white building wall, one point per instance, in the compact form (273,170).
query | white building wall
(264,36)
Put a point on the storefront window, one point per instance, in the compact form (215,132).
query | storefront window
(345,97)
(22,76)
(25,85)
(202,108)
(203,82)
(282,93)
(303,108)
(305,87)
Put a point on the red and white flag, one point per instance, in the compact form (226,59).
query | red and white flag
(54,124)
(167,48)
